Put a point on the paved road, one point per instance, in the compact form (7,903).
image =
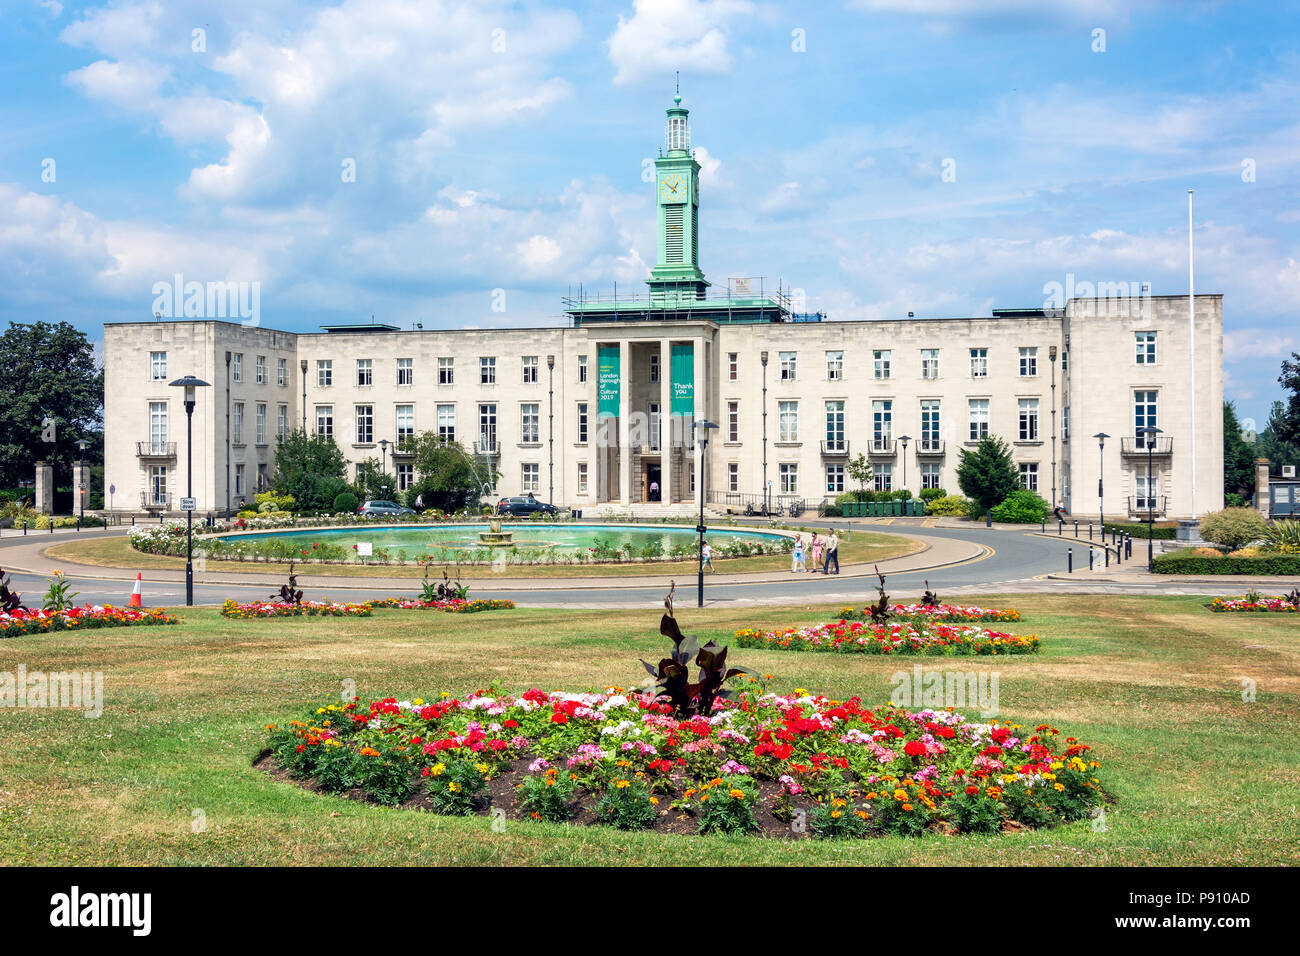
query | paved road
(1016,560)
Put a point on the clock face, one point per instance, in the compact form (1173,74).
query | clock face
(672,188)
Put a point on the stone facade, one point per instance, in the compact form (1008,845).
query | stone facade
(1046,382)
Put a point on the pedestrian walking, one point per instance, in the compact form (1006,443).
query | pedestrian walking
(832,553)
(708,557)
(796,563)
(419,502)
(818,548)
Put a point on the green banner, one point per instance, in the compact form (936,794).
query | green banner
(607,381)
(683,372)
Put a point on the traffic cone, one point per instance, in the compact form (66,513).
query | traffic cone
(135,592)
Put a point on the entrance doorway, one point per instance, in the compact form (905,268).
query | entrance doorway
(651,486)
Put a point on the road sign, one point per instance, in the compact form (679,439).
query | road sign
(365,549)
(187,504)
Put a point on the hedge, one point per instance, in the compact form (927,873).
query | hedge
(1138,529)
(1271,564)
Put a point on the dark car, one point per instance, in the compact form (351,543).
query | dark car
(523,507)
(384,508)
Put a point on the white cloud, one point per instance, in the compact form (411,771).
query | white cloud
(538,254)
(53,6)
(118,30)
(663,36)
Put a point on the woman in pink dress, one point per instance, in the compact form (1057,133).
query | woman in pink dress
(817,548)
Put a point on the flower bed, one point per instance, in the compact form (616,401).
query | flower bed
(1253,603)
(938,612)
(793,765)
(253,609)
(23,621)
(930,638)
(453,606)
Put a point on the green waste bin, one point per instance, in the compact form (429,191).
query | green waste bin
(920,507)
(909,508)
(898,507)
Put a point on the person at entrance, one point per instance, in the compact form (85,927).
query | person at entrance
(654,491)
(832,553)
(707,555)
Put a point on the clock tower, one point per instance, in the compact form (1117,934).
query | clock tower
(677,274)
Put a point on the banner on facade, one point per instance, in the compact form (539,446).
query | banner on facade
(607,381)
(683,372)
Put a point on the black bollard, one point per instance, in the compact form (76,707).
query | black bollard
(1107,557)
(1069,560)
(1091,556)
(1090,531)
(1076,527)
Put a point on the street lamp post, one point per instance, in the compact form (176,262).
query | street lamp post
(550,425)
(904,439)
(190,384)
(227,436)
(1101,502)
(762,357)
(302,367)
(704,426)
(1150,431)
(383,466)
(83,485)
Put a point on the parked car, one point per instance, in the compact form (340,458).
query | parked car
(522,507)
(383,508)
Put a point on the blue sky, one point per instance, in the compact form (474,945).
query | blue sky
(500,146)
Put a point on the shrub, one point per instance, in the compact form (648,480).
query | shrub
(1208,561)
(1283,537)
(950,505)
(727,805)
(627,805)
(547,796)
(1021,507)
(1233,528)
(1138,529)
(930,494)
(346,502)
(455,786)
(837,819)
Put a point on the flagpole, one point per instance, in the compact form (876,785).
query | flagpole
(1191,333)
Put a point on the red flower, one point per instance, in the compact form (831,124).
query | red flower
(971,791)
(914,748)
(558,718)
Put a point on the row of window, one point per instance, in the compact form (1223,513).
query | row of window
(405,369)
(158,368)
(882,477)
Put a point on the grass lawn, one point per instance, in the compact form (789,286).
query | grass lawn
(116,552)
(1153,683)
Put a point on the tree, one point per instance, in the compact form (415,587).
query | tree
(1233,528)
(311,468)
(1238,457)
(1269,445)
(448,478)
(860,471)
(1288,422)
(50,388)
(987,475)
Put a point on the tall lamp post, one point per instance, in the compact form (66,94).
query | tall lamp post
(704,426)
(302,367)
(83,486)
(904,439)
(762,357)
(1150,431)
(190,384)
(1101,502)
(550,425)
(383,466)
(227,436)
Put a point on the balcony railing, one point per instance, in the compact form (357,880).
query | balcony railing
(155,449)
(882,447)
(837,448)
(1160,445)
(1140,505)
(931,449)
(155,502)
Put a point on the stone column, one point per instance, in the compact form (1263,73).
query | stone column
(1261,486)
(665,422)
(44,488)
(624,422)
(701,412)
(80,486)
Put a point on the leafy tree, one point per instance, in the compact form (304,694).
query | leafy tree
(859,470)
(1269,445)
(372,482)
(47,371)
(1288,421)
(448,478)
(1238,456)
(986,474)
(310,467)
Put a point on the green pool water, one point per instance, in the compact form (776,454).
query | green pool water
(567,539)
